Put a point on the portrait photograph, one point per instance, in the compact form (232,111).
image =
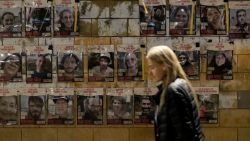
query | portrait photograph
(213,20)
(190,62)
(219,65)
(70,67)
(180,19)
(60,109)
(101,67)
(39,68)
(64,21)
(239,20)
(33,109)
(129,65)
(38,21)
(11,67)
(90,110)
(8,110)
(11,22)
(119,109)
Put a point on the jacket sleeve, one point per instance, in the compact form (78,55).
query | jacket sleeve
(180,114)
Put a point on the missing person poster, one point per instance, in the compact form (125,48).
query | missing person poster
(8,106)
(129,63)
(144,105)
(11,18)
(239,19)
(10,63)
(33,103)
(66,18)
(219,62)
(39,64)
(208,102)
(189,57)
(60,106)
(182,17)
(101,63)
(90,106)
(37,18)
(119,106)
(70,63)
(213,17)
(152,17)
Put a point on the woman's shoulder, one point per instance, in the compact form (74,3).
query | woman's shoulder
(179,87)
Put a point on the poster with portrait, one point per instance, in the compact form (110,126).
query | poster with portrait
(33,106)
(66,18)
(10,63)
(213,17)
(8,106)
(239,19)
(129,62)
(144,105)
(70,63)
(188,55)
(208,102)
(39,64)
(60,106)
(11,18)
(152,17)
(90,106)
(119,106)
(37,18)
(182,17)
(101,63)
(219,62)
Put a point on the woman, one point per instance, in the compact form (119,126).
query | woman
(8,108)
(181,17)
(176,116)
(118,108)
(187,66)
(8,19)
(131,63)
(11,66)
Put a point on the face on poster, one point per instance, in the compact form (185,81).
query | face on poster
(60,109)
(11,22)
(8,110)
(180,18)
(101,66)
(39,68)
(64,21)
(219,65)
(208,107)
(11,67)
(213,20)
(119,109)
(38,21)
(70,67)
(144,108)
(190,62)
(129,66)
(33,109)
(239,25)
(90,109)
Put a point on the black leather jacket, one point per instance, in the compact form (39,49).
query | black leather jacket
(178,118)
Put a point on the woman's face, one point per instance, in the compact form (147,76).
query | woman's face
(12,65)
(213,17)
(156,71)
(8,107)
(131,60)
(69,64)
(117,106)
(182,59)
(220,60)
(182,18)
(8,19)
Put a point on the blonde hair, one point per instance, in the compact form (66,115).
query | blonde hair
(164,55)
